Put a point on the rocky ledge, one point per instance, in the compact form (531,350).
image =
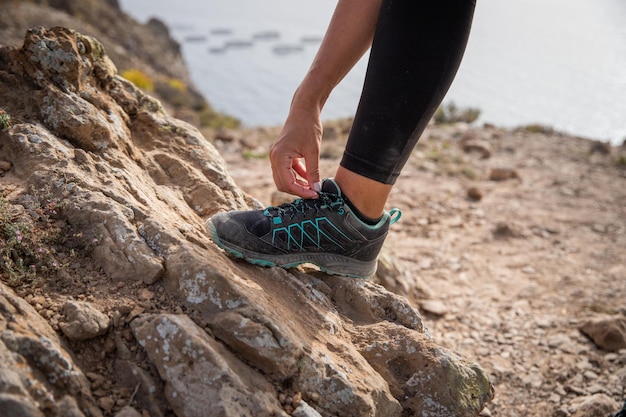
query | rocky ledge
(134,312)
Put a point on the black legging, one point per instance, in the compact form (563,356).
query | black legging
(417,49)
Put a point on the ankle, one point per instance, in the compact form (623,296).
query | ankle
(366,196)
(365,219)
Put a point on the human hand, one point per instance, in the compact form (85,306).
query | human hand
(295,155)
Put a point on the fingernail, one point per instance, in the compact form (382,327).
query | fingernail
(317,186)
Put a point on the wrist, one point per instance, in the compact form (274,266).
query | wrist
(312,93)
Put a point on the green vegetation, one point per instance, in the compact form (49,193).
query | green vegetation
(177,84)
(249,154)
(213,119)
(5,120)
(139,78)
(28,239)
(450,113)
(537,128)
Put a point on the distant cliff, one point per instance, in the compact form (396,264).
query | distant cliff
(144,53)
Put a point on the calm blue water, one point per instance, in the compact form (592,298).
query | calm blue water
(557,62)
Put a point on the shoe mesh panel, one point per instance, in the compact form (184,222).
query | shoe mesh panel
(255,221)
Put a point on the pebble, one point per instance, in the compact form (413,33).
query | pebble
(590,375)
(106,403)
(474,193)
(145,294)
(128,412)
(435,307)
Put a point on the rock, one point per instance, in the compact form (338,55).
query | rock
(137,187)
(35,367)
(598,405)
(502,174)
(128,411)
(603,148)
(5,166)
(106,403)
(148,392)
(435,307)
(82,321)
(607,333)
(305,410)
(474,193)
(483,148)
(17,406)
(201,376)
(505,230)
(394,357)
(394,278)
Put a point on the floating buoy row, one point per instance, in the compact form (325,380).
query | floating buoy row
(269,35)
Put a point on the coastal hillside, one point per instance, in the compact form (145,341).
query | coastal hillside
(145,54)
(500,292)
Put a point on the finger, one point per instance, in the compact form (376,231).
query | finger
(313,173)
(299,167)
(286,180)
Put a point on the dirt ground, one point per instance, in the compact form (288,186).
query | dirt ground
(509,240)
(515,238)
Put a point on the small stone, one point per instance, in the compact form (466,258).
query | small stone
(502,174)
(554,398)
(590,375)
(603,148)
(474,193)
(486,412)
(607,333)
(145,294)
(82,321)
(107,404)
(305,410)
(504,230)
(596,389)
(479,146)
(128,411)
(596,405)
(435,307)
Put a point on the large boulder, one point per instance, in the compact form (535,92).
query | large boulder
(138,185)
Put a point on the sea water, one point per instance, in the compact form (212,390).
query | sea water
(560,63)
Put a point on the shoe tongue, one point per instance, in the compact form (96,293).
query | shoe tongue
(331,187)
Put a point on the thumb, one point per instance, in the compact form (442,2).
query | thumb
(313,176)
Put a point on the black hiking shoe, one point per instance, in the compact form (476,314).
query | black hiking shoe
(323,231)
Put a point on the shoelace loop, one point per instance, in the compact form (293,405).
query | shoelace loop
(325,201)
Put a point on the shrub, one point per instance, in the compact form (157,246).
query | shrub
(211,118)
(450,113)
(5,120)
(177,84)
(28,241)
(139,78)
(537,128)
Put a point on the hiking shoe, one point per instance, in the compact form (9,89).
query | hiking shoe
(323,231)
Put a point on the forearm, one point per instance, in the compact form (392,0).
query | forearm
(348,36)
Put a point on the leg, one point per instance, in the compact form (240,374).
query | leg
(417,49)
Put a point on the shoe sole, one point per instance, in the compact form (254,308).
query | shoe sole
(330,263)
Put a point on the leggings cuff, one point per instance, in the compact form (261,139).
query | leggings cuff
(368,170)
